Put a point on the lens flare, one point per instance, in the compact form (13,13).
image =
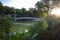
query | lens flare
(56,12)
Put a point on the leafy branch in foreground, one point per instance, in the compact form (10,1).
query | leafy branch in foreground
(5,24)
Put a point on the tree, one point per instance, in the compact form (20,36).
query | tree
(43,7)
(24,11)
(7,10)
(1,6)
(33,12)
(19,12)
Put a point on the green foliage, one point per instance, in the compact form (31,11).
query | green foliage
(1,5)
(42,7)
(54,27)
(7,10)
(20,36)
(41,30)
(32,12)
(5,24)
(38,30)
(42,10)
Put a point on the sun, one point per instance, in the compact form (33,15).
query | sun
(56,12)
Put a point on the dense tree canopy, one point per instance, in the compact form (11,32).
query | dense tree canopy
(32,12)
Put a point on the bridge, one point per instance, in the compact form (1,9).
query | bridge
(27,18)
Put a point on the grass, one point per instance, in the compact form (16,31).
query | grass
(21,27)
(17,27)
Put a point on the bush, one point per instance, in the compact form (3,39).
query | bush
(5,24)
(39,30)
(54,27)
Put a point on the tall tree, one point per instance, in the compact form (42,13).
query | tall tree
(19,12)
(42,7)
(33,12)
(7,10)
(24,11)
(1,6)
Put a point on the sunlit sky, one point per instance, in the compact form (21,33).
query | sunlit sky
(20,3)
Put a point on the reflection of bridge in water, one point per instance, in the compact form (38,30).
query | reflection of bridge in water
(26,19)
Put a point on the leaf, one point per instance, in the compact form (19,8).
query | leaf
(34,35)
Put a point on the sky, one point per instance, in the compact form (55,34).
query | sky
(20,3)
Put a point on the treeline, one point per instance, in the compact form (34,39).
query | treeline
(40,10)
(5,10)
(32,12)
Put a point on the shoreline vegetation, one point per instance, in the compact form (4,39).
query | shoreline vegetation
(46,29)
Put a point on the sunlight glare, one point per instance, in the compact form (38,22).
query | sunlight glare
(56,12)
